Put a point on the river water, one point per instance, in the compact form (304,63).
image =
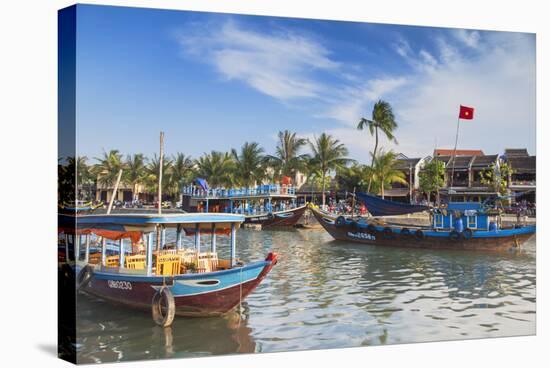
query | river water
(327,294)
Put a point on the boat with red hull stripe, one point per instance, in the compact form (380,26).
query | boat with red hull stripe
(277,219)
(137,292)
(167,281)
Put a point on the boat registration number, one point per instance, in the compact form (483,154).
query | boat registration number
(123,285)
(361,236)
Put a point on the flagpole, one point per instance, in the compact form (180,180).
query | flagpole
(453,157)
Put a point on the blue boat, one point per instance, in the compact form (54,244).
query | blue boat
(457,225)
(148,273)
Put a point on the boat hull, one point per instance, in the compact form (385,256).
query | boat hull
(278,219)
(502,240)
(195,295)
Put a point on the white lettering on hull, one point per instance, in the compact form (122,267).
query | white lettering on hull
(122,285)
(360,235)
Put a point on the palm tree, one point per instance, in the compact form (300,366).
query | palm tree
(382,119)
(135,171)
(352,177)
(216,167)
(108,167)
(287,161)
(152,174)
(384,171)
(328,154)
(182,167)
(249,164)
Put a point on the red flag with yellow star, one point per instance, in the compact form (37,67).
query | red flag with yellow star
(466,113)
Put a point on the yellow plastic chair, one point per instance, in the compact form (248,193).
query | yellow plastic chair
(94,258)
(208,261)
(136,262)
(112,261)
(168,264)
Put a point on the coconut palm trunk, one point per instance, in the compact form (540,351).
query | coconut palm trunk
(323,187)
(382,187)
(374,158)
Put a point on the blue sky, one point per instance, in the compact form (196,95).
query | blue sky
(213,81)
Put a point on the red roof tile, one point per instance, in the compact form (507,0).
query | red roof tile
(459,152)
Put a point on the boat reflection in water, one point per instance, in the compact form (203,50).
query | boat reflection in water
(107,334)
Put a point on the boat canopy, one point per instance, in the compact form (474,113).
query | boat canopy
(118,226)
(382,207)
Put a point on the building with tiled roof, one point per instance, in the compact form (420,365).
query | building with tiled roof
(523,180)
(458,152)
(411,169)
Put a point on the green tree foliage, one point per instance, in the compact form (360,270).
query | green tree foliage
(287,159)
(383,120)
(328,154)
(108,167)
(497,177)
(217,168)
(384,171)
(135,171)
(152,171)
(432,177)
(249,164)
(181,172)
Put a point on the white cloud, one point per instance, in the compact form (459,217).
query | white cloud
(498,81)
(352,104)
(278,65)
(492,71)
(469,38)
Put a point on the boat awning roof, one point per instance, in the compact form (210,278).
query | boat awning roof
(147,222)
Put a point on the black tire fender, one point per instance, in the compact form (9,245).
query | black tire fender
(340,221)
(84,277)
(388,233)
(163,320)
(419,234)
(406,232)
(467,234)
(371,229)
(454,235)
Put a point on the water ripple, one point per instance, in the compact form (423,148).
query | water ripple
(327,294)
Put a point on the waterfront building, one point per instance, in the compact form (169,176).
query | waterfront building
(410,167)
(463,173)
(523,180)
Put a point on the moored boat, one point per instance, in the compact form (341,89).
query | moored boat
(269,205)
(459,226)
(146,272)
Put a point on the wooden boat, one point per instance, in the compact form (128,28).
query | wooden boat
(447,230)
(270,205)
(167,279)
(79,206)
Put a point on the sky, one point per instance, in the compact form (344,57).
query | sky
(213,81)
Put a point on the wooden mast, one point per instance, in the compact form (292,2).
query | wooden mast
(161,159)
(115,190)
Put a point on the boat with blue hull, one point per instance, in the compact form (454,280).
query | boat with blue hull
(458,226)
(270,205)
(147,272)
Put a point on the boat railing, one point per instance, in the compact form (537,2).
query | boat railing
(260,190)
(262,210)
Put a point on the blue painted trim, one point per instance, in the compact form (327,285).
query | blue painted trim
(476,233)
(103,275)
